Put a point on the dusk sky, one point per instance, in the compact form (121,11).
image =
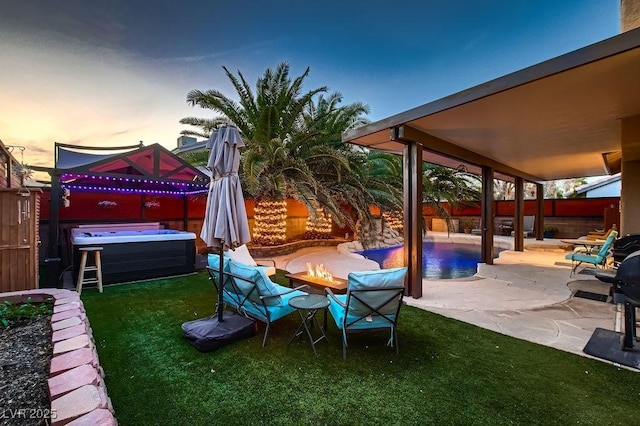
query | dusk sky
(112,73)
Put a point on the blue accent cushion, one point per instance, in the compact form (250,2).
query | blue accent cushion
(356,322)
(229,296)
(379,300)
(392,277)
(583,257)
(254,276)
(214,261)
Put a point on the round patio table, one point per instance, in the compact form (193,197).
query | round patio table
(308,306)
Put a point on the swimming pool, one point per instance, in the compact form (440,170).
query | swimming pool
(439,260)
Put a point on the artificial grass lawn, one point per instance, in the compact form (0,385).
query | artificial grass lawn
(447,372)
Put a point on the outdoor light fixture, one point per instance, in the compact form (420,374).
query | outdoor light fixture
(394,220)
(132,190)
(319,228)
(116,185)
(68,177)
(270,222)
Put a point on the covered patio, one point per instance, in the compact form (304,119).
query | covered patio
(575,115)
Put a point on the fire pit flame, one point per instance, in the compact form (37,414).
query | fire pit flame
(319,271)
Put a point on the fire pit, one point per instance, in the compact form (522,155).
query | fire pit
(318,277)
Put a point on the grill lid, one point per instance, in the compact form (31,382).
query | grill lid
(628,276)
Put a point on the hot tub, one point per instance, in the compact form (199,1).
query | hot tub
(136,251)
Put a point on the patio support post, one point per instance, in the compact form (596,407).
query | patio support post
(629,200)
(413,217)
(53,261)
(185,213)
(539,225)
(487,216)
(412,174)
(518,219)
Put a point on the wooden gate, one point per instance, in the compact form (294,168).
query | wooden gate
(19,218)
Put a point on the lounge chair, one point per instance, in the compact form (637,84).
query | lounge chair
(249,291)
(372,302)
(528,224)
(478,229)
(598,259)
(595,235)
(242,255)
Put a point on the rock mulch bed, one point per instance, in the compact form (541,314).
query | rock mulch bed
(74,378)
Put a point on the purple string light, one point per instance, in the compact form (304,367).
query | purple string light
(131,190)
(196,187)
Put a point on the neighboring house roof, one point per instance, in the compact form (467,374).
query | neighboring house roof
(190,146)
(598,184)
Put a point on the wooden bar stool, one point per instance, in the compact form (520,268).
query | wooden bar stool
(84,268)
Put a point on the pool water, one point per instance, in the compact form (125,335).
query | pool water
(439,260)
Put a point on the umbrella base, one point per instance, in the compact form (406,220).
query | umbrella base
(208,334)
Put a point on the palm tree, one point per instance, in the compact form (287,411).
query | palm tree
(271,122)
(455,186)
(294,149)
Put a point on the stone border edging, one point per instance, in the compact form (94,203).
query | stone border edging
(267,251)
(77,390)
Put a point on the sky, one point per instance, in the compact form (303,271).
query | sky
(116,72)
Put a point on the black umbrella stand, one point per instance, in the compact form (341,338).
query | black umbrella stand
(214,332)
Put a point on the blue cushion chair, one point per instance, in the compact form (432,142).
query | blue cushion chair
(249,291)
(229,296)
(597,259)
(372,302)
(528,223)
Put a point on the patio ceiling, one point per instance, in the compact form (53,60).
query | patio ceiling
(557,119)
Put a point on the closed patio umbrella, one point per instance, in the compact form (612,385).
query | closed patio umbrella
(225,227)
(225,223)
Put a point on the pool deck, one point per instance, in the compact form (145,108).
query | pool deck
(528,295)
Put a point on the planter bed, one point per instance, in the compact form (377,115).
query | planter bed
(77,391)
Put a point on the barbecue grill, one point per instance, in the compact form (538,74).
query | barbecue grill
(624,246)
(626,289)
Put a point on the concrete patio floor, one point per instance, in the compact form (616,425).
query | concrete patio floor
(528,295)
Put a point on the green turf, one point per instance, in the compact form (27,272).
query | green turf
(447,372)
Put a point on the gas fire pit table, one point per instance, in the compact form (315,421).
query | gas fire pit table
(337,285)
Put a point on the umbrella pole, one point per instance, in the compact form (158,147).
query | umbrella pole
(220,289)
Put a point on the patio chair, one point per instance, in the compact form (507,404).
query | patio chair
(372,302)
(478,229)
(598,259)
(249,291)
(595,235)
(528,224)
(242,255)
(229,296)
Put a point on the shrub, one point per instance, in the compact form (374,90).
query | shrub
(11,312)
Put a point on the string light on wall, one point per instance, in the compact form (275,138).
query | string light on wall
(270,222)
(320,227)
(394,220)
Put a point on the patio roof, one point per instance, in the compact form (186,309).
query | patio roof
(554,120)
